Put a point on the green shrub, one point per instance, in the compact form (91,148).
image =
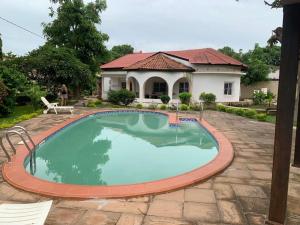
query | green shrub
(91,104)
(250,113)
(195,107)
(165,99)
(139,106)
(185,97)
(229,109)
(22,100)
(3,91)
(261,117)
(184,107)
(221,108)
(152,106)
(98,102)
(259,97)
(163,107)
(4,110)
(122,96)
(35,93)
(239,112)
(207,98)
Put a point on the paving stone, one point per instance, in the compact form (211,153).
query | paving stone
(162,208)
(294,190)
(141,199)
(231,180)
(205,185)
(255,219)
(248,191)
(258,166)
(94,217)
(6,191)
(257,205)
(154,220)
(60,216)
(263,175)
(172,196)
(88,204)
(223,191)
(125,207)
(201,212)
(130,219)
(199,195)
(230,212)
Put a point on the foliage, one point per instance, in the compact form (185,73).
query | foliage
(261,117)
(163,107)
(165,99)
(260,61)
(185,97)
(4,110)
(221,107)
(1,53)
(23,100)
(94,103)
(120,50)
(250,113)
(74,27)
(139,106)
(3,91)
(152,106)
(270,97)
(35,93)
(239,112)
(229,109)
(207,97)
(122,96)
(51,67)
(195,107)
(184,107)
(259,97)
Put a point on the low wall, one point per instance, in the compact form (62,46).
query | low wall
(247,91)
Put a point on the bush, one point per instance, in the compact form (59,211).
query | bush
(259,97)
(239,112)
(250,113)
(4,110)
(98,102)
(152,106)
(229,109)
(261,117)
(221,108)
(3,92)
(23,100)
(185,98)
(165,99)
(122,96)
(35,93)
(91,104)
(139,106)
(184,107)
(195,107)
(207,98)
(163,107)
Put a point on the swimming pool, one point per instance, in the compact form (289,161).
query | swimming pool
(120,154)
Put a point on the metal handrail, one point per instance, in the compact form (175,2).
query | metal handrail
(4,149)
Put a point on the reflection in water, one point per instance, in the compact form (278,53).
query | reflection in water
(123,148)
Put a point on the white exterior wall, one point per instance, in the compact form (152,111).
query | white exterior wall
(214,83)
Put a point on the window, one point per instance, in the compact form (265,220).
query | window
(228,88)
(159,87)
(123,85)
(183,87)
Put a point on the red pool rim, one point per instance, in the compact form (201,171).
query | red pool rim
(15,174)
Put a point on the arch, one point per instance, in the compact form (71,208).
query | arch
(155,86)
(133,85)
(183,84)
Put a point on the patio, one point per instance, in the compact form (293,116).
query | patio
(239,195)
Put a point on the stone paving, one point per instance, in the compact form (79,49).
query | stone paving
(238,195)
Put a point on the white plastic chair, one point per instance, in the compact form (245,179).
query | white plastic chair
(24,214)
(55,106)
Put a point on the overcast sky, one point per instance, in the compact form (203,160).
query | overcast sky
(153,25)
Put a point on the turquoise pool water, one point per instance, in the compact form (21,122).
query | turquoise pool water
(123,148)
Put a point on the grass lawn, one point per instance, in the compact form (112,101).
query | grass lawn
(19,114)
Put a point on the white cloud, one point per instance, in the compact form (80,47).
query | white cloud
(156,24)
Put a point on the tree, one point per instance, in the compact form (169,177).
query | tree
(52,66)
(120,50)
(1,53)
(74,27)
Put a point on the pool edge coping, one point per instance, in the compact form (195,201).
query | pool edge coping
(15,174)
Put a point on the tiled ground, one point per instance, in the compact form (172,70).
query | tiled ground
(239,195)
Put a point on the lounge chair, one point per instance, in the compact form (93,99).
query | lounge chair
(22,214)
(55,106)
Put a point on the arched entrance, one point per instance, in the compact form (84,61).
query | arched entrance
(155,87)
(133,85)
(181,85)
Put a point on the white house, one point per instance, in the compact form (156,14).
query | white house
(151,75)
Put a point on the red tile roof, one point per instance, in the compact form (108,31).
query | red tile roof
(159,61)
(206,56)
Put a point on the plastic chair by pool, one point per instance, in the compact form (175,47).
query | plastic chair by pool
(24,214)
(55,106)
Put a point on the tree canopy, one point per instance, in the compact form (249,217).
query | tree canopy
(261,61)
(120,50)
(74,27)
(1,53)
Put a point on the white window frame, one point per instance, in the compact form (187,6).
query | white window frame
(226,90)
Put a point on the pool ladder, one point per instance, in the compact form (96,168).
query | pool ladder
(21,132)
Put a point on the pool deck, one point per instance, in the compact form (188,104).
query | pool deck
(239,195)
